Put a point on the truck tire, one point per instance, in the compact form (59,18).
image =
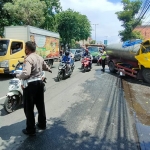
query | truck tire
(112,67)
(146,74)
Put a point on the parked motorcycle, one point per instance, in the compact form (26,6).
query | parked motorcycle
(62,71)
(14,97)
(86,64)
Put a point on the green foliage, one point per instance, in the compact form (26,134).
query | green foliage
(129,22)
(52,7)
(72,25)
(5,18)
(27,12)
(73,43)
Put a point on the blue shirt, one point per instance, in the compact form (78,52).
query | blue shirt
(86,54)
(66,59)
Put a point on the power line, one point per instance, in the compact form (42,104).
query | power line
(142,14)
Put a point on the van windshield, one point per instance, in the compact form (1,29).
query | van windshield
(93,49)
(3,47)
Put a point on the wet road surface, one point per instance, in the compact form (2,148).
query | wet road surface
(88,111)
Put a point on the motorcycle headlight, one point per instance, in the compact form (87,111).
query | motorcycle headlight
(4,64)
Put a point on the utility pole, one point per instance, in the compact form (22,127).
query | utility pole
(95,31)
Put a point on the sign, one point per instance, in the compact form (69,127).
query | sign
(105,42)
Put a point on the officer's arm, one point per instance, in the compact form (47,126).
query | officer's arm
(46,67)
(26,71)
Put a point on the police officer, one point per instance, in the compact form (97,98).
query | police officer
(103,57)
(34,92)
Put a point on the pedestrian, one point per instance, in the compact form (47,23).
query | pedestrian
(33,93)
(103,59)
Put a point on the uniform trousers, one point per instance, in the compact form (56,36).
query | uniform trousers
(103,64)
(33,94)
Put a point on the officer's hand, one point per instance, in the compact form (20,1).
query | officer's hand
(50,70)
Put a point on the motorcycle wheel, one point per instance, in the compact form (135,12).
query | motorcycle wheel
(60,76)
(11,105)
(84,69)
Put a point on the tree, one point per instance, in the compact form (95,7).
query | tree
(52,7)
(72,25)
(85,27)
(5,19)
(27,12)
(129,22)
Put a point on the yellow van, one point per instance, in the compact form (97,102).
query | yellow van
(11,53)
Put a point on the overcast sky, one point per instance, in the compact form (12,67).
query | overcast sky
(101,12)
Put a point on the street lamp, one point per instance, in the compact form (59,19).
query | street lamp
(95,30)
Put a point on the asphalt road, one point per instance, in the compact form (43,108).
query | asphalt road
(85,112)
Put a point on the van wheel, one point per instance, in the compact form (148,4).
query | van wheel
(112,67)
(146,75)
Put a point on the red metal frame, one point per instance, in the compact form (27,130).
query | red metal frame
(130,73)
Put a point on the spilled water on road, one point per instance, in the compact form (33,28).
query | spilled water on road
(138,101)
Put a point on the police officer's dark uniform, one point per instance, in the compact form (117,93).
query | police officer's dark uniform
(103,57)
(34,92)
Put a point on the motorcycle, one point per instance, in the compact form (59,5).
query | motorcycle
(14,98)
(86,64)
(62,71)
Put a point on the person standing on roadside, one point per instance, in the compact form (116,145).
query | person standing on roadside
(33,92)
(103,59)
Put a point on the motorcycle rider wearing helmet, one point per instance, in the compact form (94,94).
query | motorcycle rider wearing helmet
(87,54)
(67,59)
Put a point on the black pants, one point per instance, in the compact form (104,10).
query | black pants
(103,64)
(34,94)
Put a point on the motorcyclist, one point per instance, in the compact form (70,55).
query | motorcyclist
(67,59)
(87,54)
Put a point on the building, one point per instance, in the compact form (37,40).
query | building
(144,30)
(84,42)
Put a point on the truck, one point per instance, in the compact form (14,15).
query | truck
(94,50)
(132,59)
(12,47)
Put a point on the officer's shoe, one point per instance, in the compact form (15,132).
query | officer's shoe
(28,133)
(40,127)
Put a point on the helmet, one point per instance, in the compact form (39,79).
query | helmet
(67,53)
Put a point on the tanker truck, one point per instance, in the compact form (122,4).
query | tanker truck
(132,60)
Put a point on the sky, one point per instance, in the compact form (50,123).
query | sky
(101,12)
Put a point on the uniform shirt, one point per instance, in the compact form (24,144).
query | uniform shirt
(103,56)
(32,67)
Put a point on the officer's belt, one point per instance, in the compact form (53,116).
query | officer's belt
(32,80)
